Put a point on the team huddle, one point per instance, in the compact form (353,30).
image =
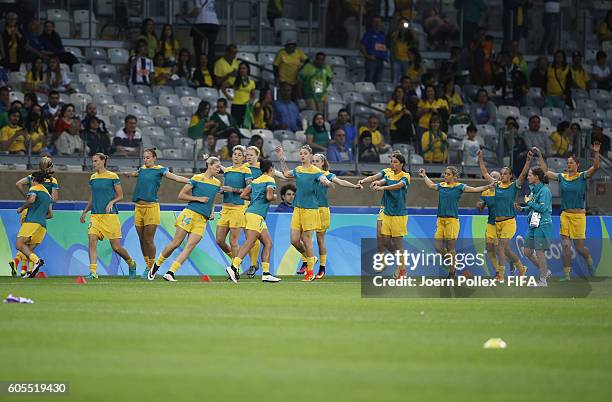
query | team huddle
(249,187)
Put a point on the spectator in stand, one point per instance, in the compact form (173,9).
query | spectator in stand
(551,20)
(29,100)
(434,142)
(244,94)
(428,106)
(367,150)
(141,66)
(468,154)
(400,118)
(161,72)
(69,142)
(604,32)
(287,194)
(13,44)
(35,132)
(201,74)
(373,128)
(201,124)
(416,68)
(317,135)
(224,122)
(343,121)
(314,79)
(483,111)
(580,76)
(511,80)
(539,75)
(597,135)
(206,27)
(5,96)
(373,47)
(128,139)
(91,112)
(258,142)
(52,43)
(559,79)
(33,47)
(286,112)
(412,94)
(52,108)
(401,38)
(515,148)
(518,60)
(562,141)
(438,29)
(4,77)
(64,121)
(453,98)
(57,78)
(287,63)
(36,79)
(96,137)
(168,44)
(535,138)
(210,147)
(13,136)
(233,139)
(147,34)
(601,71)
(471,10)
(338,151)
(263,112)
(226,68)
(183,66)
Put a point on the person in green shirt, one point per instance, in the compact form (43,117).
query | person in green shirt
(315,77)
(317,135)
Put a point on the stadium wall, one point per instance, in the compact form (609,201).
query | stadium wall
(65,246)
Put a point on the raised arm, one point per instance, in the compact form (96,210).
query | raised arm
(345,183)
(283,162)
(428,182)
(21,186)
(525,170)
(596,162)
(483,168)
(176,178)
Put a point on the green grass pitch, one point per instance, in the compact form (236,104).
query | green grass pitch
(120,340)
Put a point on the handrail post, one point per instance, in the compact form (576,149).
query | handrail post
(310,26)
(259,26)
(228,10)
(91,7)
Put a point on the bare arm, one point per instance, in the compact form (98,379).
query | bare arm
(523,174)
(483,168)
(345,183)
(176,178)
(50,211)
(21,186)
(479,189)
(596,162)
(369,179)
(28,202)
(428,182)
(246,193)
(130,174)
(87,208)
(480,205)
(270,194)
(118,197)
(185,195)
(283,162)
(55,195)
(395,186)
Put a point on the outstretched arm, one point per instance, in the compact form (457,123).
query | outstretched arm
(483,168)
(395,186)
(369,179)
(345,183)
(596,162)
(479,189)
(176,178)
(428,182)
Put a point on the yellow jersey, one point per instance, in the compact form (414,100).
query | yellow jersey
(288,65)
(19,144)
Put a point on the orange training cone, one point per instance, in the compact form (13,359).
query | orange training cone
(80,280)
(205,278)
(41,275)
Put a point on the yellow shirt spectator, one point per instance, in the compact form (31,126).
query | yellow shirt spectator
(435,147)
(604,32)
(560,144)
(262,115)
(377,137)
(157,79)
(206,78)
(394,107)
(423,104)
(170,49)
(243,93)
(288,65)
(415,74)
(580,77)
(223,68)
(35,81)
(557,78)
(18,144)
(36,139)
(454,100)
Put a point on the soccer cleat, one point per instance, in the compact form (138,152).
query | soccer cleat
(152,272)
(500,277)
(145,274)
(321,273)
(566,277)
(548,274)
(251,271)
(91,276)
(270,278)
(33,273)
(591,268)
(13,269)
(522,270)
(231,273)
(309,277)
(169,277)
(24,272)
(302,269)
(542,283)
(512,269)
(132,273)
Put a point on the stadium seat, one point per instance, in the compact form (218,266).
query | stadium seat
(365,87)
(172,153)
(116,89)
(162,90)
(583,122)
(147,100)
(270,145)
(140,89)
(123,99)
(190,102)
(291,145)
(169,100)
(64,98)
(183,122)
(80,100)
(545,122)
(208,93)
(556,164)
(136,109)
(118,56)
(245,132)
(333,108)
(103,99)
(334,97)
(507,110)
(595,114)
(89,78)
(415,159)
(300,136)
(286,29)
(180,111)
(75,51)
(586,103)
(343,86)
(352,97)
(165,121)
(61,19)
(105,69)
(15,95)
(266,59)
(283,135)
(95,53)
(153,131)
(81,18)
(609,114)
(308,115)
(96,88)
(554,114)
(158,110)
(599,94)
(578,93)
(265,134)
(459,130)
(110,79)
(80,68)
(184,91)
(529,111)
(111,109)
(250,58)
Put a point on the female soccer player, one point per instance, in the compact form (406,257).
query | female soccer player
(260,192)
(305,217)
(447,225)
(487,200)
(146,208)
(395,214)
(539,206)
(50,183)
(38,208)
(504,214)
(236,178)
(105,192)
(573,213)
(200,196)
(320,161)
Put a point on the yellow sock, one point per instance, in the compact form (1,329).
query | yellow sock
(589,261)
(265,267)
(254,253)
(150,263)
(34,258)
(311,263)
(175,266)
(236,262)
(147,261)
(160,260)
(20,257)
(229,254)
(567,270)
(93,268)
(499,268)
(130,262)
(323,260)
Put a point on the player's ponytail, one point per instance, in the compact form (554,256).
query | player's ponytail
(325,161)
(39,177)
(210,160)
(46,164)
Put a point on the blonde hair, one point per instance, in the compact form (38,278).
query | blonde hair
(45,164)
(210,160)
(240,148)
(454,170)
(252,148)
(324,159)
(307,147)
